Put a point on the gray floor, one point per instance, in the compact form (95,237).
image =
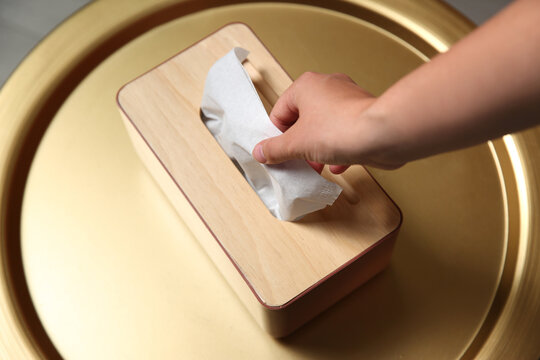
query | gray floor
(23,23)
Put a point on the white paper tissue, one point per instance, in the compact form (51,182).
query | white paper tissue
(235,115)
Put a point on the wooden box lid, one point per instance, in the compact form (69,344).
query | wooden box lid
(278,260)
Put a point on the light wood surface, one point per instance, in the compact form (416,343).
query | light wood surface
(279,260)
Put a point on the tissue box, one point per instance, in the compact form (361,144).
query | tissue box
(285,273)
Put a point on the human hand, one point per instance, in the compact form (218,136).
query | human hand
(325,120)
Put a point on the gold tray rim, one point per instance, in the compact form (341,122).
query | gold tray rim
(42,87)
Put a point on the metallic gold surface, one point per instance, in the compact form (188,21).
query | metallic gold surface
(96,264)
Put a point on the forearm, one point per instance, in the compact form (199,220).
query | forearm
(487,85)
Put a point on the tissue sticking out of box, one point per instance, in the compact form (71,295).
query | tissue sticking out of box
(235,115)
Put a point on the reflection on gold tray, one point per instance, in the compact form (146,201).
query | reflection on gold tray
(96,264)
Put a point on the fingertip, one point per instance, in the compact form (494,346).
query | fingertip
(318,167)
(258,153)
(338,169)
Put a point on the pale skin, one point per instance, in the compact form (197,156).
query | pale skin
(485,86)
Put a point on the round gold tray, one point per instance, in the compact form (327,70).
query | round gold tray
(97,265)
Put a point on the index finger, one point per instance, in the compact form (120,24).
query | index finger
(285,111)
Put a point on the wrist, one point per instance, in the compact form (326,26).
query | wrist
(385,144)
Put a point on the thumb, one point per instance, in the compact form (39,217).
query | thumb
(277,149)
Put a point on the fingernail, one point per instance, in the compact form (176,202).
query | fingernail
(258,154)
